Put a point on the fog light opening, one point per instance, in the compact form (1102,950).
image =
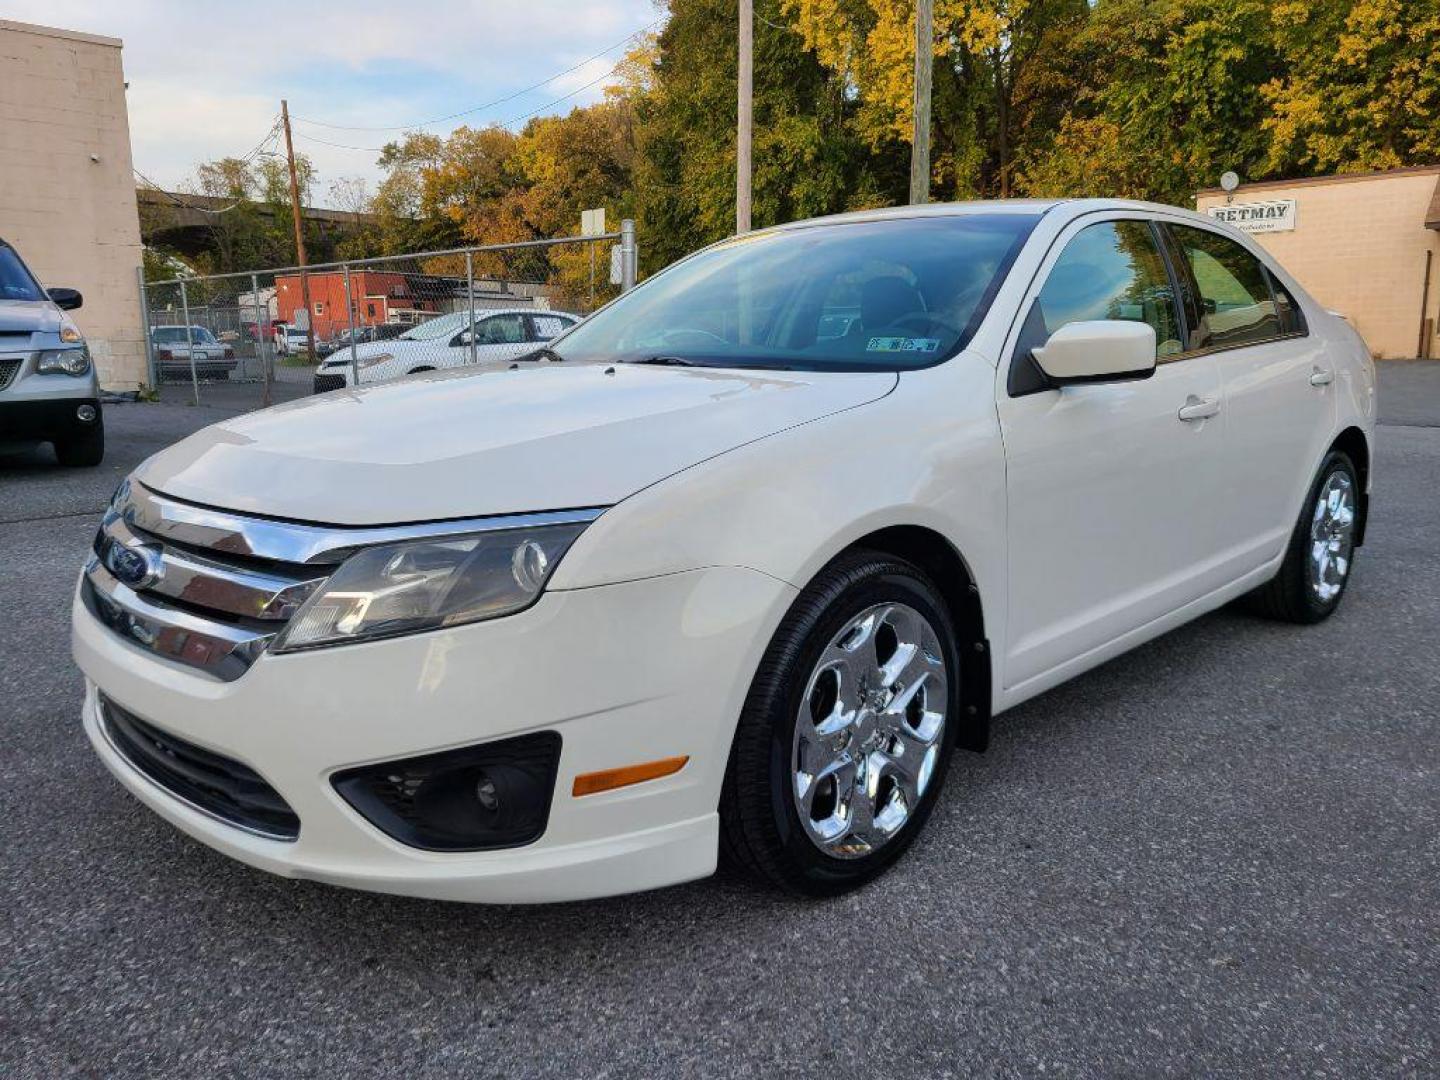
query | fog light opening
(494,795)
(85,414)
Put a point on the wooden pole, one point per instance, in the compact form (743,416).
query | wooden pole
(743,127)
(299,231)
(924,64)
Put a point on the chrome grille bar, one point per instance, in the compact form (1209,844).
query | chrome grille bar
(228,533)
(183,576)
(225,651)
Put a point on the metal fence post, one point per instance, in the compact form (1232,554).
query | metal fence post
(189,340)
(470,296)
(629,257)
(145,329)
(350,317)
(265,398)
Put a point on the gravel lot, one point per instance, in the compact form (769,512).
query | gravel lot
(1219,855)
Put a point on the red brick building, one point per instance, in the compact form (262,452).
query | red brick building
(379,295)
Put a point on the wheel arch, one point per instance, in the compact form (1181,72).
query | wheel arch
(1353,443)
(947,568)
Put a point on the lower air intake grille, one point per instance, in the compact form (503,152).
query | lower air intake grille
(222,788)
(328,382)
(8,368)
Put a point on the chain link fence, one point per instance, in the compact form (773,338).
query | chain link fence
(244,341)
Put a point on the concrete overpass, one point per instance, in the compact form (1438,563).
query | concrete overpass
(180,221)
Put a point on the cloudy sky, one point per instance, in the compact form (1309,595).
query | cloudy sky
(206,78)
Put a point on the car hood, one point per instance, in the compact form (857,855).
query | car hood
(29,317)
(463,443)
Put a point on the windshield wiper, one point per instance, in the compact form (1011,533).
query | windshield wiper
(664,361)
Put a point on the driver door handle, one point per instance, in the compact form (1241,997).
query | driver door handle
(1320,377)
(1198,409)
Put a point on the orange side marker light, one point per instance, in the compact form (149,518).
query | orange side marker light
(592,783)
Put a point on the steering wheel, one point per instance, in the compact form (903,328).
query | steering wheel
(928,321)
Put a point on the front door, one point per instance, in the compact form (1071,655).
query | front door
(1113,487)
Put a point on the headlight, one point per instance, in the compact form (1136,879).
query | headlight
(370,361)
(64,361)
(426,584)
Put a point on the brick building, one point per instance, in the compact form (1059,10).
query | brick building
(1364,244)
(67,196)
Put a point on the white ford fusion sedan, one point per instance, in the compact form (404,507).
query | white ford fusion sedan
(769,538)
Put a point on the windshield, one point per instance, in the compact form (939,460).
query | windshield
(862,296)
(15,281)
(444,326)
(175,335)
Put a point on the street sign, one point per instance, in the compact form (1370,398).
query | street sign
(592,222)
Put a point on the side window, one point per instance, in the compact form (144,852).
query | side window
(549,326)
(500,330)
(1111,270)
(1235,302)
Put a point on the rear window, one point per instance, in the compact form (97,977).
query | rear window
(16,282)
(1236,305)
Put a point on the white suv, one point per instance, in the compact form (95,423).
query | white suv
(778,531)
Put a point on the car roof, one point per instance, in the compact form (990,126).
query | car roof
(1031,207)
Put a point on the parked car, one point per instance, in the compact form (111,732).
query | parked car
(363,334)
(49,391)
(708,580)
(290,340)
(173,347)
(501,336)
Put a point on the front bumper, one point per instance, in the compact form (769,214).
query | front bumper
(626,673)
(48,418)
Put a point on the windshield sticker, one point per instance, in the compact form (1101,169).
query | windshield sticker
(903,344)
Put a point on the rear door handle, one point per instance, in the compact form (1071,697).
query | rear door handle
(1321,377)
(1198,409)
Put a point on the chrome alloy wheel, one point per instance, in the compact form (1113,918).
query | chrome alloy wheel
(1332,537)
(868,734)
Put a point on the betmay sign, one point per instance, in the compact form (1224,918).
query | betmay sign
(1278,215)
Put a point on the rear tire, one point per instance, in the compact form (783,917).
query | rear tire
(843,743)
(1320,556)
(85,450)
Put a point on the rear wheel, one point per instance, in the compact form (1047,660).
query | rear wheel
(83,450)
(845,737)
(1318,562)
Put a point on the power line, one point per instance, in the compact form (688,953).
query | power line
(504,123)
(474,108)
(258,149)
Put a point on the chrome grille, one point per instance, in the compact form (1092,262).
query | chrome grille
(212,589)
(8,370)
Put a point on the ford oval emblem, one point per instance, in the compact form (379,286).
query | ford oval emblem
(136,566)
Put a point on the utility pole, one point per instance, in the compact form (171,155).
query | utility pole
(743,128)
(924,63)
(299,231)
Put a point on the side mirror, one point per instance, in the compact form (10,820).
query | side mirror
(1103,350)
(66,299)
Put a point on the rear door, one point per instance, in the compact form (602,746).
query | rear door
(501,337)
(1279,399)
(1112,487)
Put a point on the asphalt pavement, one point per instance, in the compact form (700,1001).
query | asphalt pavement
(1218,855)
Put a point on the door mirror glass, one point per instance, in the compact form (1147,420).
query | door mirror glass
(1098,350)
(66,299)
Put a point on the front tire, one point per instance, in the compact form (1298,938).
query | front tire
(845,737)
(1321,553)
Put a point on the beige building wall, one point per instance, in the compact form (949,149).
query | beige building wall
(67,196)
(1359,248)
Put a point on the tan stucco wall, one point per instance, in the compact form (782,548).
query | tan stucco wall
(1359,248)
(62,99)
